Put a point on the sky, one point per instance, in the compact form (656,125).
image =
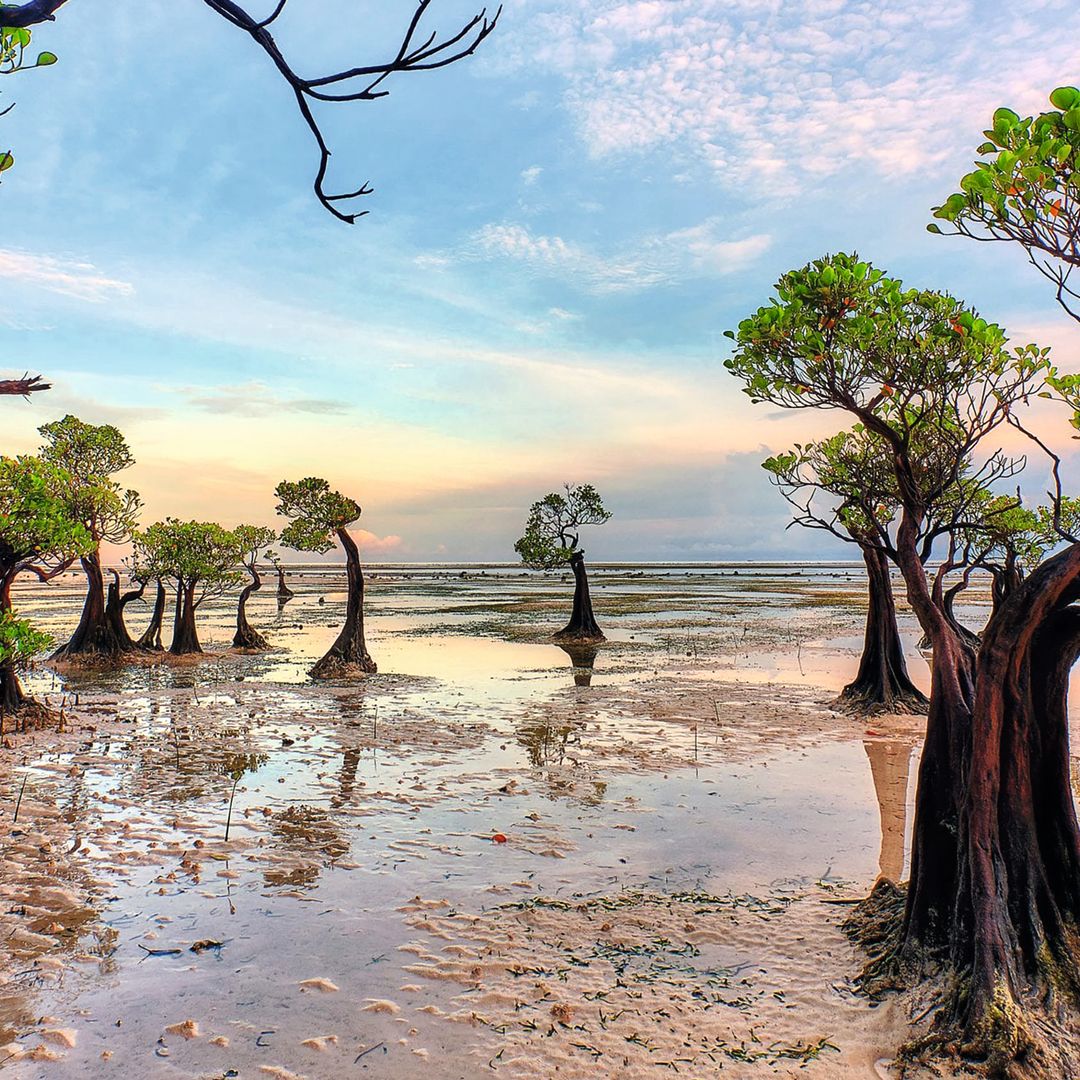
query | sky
(562,228)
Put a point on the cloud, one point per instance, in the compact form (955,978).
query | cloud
(530,175)
(69,277)
(771,96)
(661,259)
(370,542)
(254,399)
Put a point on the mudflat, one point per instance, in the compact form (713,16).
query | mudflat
(495,856)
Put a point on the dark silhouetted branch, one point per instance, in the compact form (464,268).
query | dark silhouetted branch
(28,384)
(356,83)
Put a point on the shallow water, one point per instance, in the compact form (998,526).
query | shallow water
(350,801)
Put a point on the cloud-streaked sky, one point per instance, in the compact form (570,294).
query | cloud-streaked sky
(562,228)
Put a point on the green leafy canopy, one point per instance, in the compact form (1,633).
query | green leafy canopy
(552,530)
(316,513)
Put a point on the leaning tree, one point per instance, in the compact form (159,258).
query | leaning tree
(38,536)
(419,50)
(284,593)
(994,863)
(252,541)
(552,539)
(851,470)
(317,517)
(199,558)
(92,454)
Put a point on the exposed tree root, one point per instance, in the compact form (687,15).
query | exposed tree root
(993,1035)
(333,667)
(870,703)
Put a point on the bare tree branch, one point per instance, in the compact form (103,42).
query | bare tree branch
(356,83)
(360,83)
(28,384)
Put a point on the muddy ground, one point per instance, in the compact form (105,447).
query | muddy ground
(492,858)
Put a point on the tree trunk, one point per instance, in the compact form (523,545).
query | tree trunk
(12,698)
(186,636)
(882,683)
(1017,913)
(151,638)
(246,637)
(994,895)
(115,603)
(582,626)
(349,652)
(97,634)
(283,590)
(927,917)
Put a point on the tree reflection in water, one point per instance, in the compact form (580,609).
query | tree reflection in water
(583,657)
(890,767)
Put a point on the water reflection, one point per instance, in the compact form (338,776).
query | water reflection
(583,658)
(890,767)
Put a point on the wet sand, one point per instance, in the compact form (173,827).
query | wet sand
(491,858)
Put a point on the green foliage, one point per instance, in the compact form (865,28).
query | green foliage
(315,513)
(37,530)
(20,642)
(254,542)
(194,554)
(840,334)
(90,454)
(1009,532)
(553,527)
(854,468)
(14,43)
(1025,188)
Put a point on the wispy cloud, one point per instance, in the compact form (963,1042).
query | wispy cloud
(67,276)
(254,399)
(655,260)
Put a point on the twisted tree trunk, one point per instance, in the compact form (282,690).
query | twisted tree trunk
(349,652)
(151,638)
(882,683)
(1016,927)
(994,895)
(115,603)
(185,635)
(12,698)
(99,633)
(246,636)
(582,626)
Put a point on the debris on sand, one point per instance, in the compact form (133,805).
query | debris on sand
(189,1029)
